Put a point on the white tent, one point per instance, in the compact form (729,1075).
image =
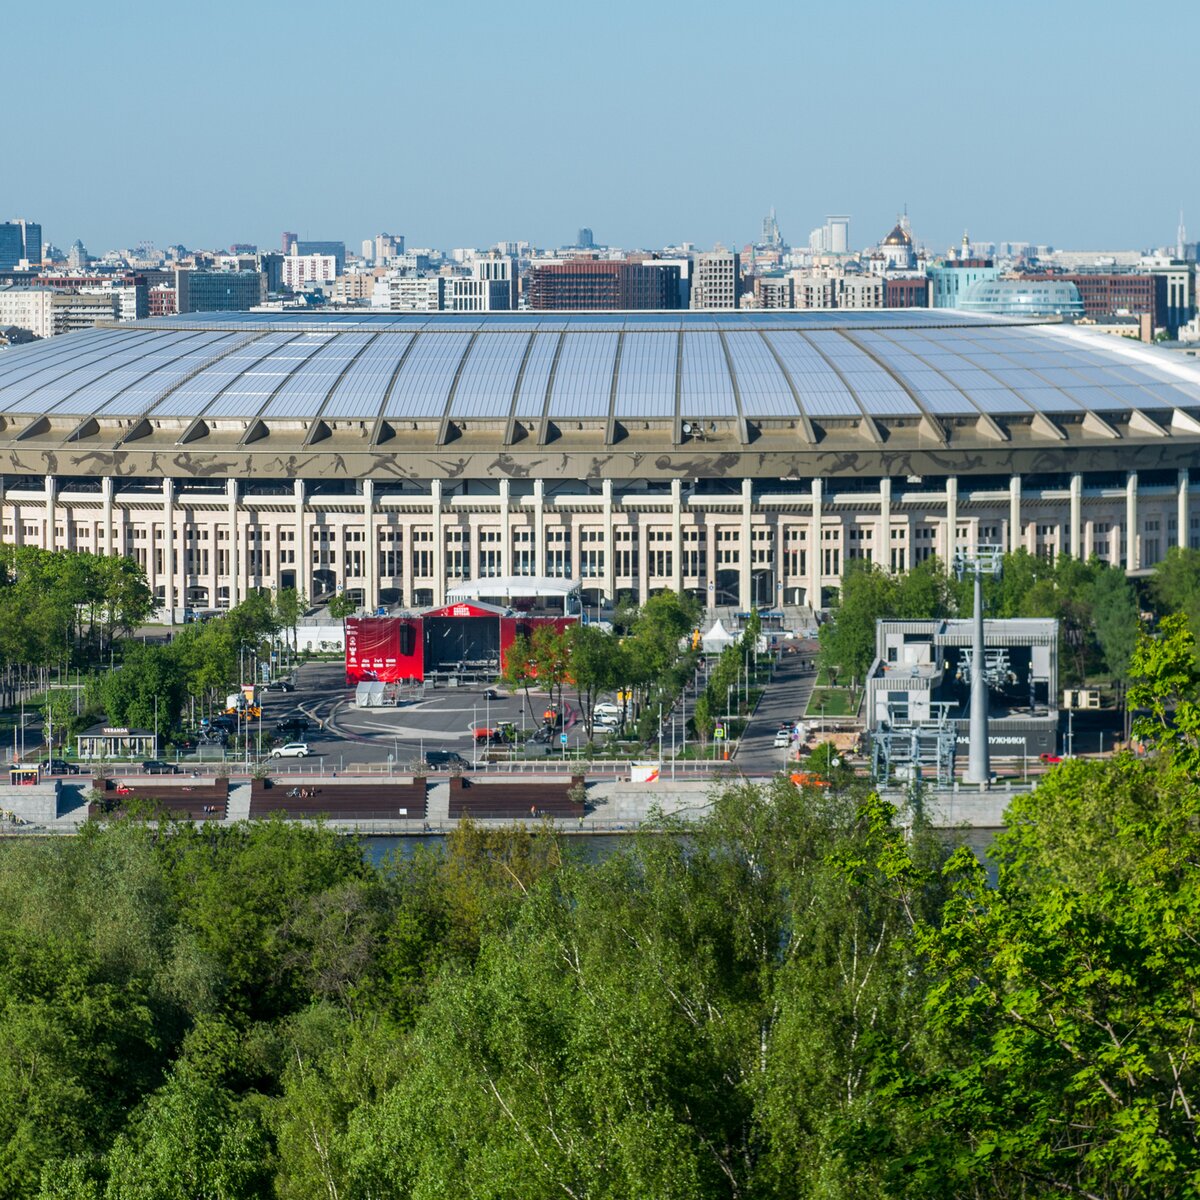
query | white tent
(717,638)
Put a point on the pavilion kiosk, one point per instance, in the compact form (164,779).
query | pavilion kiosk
(117,741)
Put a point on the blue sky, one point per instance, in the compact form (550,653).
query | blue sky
(462,123)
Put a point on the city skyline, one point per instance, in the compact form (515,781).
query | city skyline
(654,135)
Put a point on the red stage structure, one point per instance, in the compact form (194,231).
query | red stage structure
(459,638)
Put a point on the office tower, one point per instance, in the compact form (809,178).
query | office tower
(586,283)
(287,242)
(368,250)
(336,250)
(493,266)
(12,245)
(585,241)
(716,279)
(219,291)
(839,234)
(770,231)
(77,256)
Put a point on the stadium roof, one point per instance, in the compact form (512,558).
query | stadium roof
(699,385)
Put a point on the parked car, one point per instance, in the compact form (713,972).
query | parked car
(783,739)
(279,685)
(291,750)
(299,724)
(445,760)
(59,766)
(156,766)
(1051,758)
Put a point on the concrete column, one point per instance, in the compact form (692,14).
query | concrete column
(407,548)
(1182,508)
(642,583)
(814,557)
(883,554)
(1089,538)
(168,550)
(676,536)
(303,552)
(371,572)
(779,545)
(439,544)
(610,548)
(473,551)
(1014,514)
(1076,542)
(51,542)
(746,557)
(539,527)
(1133,543)
(710,563)
(106,491)
(235,546)
(951,521)
(505,529)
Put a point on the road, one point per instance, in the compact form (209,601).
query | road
(783,702)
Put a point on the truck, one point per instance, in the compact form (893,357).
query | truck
(244,703)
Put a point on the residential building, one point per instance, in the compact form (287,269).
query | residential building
(334,250)
(716,279)
(299,272)
(774,291)
(27,308)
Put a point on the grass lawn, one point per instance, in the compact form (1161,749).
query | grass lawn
(836,702)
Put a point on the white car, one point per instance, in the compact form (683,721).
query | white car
(783,739)
(291,750)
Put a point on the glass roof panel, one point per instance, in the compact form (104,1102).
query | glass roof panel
(488,377)
(705,389)
(762,386)
(305,390)
(194,395)
(821,391)
(359,394)
(424,381)
(43,391)
(583,379)
(125,391)
(18,361)
(881,395)
(646,375)
(532,396)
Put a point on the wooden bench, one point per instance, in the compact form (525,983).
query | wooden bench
(530,799)
(174,801)
(340,801)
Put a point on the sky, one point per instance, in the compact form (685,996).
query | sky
(651,122)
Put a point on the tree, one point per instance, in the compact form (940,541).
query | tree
(519,669)
(148,686)
(847,641)
(1114,617)
(594,666)
(1175,584)
(551,650)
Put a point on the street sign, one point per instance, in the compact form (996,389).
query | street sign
(562,739)
(719,732)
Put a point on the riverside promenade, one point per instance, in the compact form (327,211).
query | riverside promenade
(59,806)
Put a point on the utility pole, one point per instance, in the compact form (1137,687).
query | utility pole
(986,560)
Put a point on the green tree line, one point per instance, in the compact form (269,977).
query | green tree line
(1095,604)
(799,998)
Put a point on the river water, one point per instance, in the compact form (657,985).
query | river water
(596,847)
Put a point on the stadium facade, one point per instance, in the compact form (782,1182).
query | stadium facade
(742,456)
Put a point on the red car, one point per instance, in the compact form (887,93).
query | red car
(1050,758)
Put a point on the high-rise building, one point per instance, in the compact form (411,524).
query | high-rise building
(219,291)
(839,234)
(368,250)
(287,242)
(27,308)
(335,250)
(770,231)
(716,279)
(243,248)
(77,256)
(302,270)
(20,240)
(587,283)
(493,265)
(387,247)
(773,291)
(585,241)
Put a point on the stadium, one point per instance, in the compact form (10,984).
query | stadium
(741,456)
